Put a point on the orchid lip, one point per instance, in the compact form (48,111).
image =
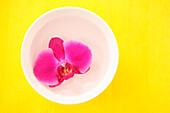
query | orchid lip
(65,70)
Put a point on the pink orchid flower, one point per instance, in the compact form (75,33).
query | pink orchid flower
(61,61)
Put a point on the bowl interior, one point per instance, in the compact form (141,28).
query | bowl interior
(69,24)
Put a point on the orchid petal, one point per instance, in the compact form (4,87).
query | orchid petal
(56,44)
(45,68)
(79,55)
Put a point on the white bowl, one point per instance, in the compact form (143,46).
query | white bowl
(72,23)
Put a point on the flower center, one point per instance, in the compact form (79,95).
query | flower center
(64,70)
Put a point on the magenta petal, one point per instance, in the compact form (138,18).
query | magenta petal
(56,44)
(45,68)
(79,55)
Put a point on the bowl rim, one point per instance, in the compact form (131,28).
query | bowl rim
(105,83)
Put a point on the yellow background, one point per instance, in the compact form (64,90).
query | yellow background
(142,81)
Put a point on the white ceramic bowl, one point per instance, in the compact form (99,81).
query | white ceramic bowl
(72,23)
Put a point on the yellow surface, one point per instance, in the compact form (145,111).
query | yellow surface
(142,81)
